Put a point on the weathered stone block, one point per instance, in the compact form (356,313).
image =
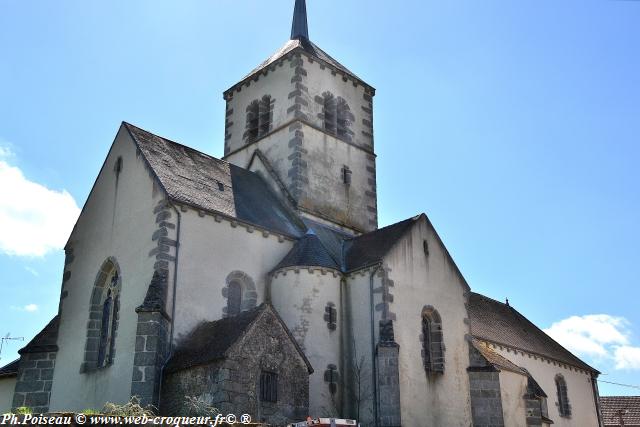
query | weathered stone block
(37,399)
(144,359)
(29,386)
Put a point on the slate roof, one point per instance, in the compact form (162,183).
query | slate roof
(613,406)
(369,248)
(193,178)
(306,46)
(10,370)
(502,324)
(46,340)
(308,251)
(209,341)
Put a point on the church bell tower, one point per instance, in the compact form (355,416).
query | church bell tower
(305,123)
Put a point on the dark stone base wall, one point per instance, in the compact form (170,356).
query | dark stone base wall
(388,385)
(486,401)
(33,384)
(150,355)
(533,411)
(232,385)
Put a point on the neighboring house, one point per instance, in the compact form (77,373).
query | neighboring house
(262,281)
(618,411)
(8,376)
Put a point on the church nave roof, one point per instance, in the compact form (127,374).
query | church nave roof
(213,185)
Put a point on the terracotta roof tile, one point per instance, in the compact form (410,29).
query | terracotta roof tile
(613,407)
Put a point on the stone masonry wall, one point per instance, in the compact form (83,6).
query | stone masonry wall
(388,385)
(486,402)
(33,385)
(233,384)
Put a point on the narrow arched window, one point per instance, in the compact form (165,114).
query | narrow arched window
(108,325)
(102,327)
(432,340)
(240,292)
(234,302)
(259,118)
(564,408)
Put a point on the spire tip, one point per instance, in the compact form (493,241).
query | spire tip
(299,27)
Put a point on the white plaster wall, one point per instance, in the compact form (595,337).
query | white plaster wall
(300,298)
(439,399)
(7,385)
(583,409)
(118,221)
(513,387)
(325,194)
(275,147)
(326,156)
(209,251)
(359,299)
(276,83)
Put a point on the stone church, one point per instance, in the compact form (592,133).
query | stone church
(260,283)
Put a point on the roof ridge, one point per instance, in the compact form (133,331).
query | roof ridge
(368,233)
(327,251)
(127,124)
(529,322)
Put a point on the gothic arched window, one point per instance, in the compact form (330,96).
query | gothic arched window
(564,408)
(259,118)
(103,318)
(337,116)
(432,340)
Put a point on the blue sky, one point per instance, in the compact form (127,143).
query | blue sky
(513,125)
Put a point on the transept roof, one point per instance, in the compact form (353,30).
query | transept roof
(213,185)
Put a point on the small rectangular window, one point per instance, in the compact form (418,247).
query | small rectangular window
(269,387)
(346,175)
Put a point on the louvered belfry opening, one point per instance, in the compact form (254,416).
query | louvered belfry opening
(330,113)
(259,118)
(343,121)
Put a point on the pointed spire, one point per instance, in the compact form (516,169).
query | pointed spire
(299,28)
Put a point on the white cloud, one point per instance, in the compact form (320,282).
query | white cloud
(32,271)
(31,307)
(627,357)
(5,152)
(601,336)
(33,219)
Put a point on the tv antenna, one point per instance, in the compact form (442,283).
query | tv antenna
(8,337)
